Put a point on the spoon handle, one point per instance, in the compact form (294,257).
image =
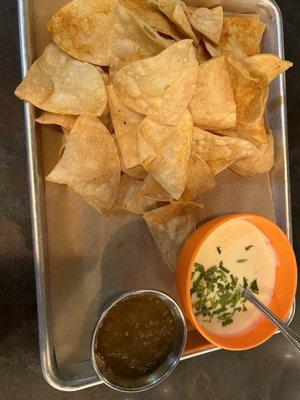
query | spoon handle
(291,335)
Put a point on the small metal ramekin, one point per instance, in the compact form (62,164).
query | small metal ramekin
(144,383)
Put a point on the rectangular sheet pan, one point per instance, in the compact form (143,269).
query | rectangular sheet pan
(59,280)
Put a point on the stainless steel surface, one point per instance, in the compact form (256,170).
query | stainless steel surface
(289,333)
(164,370)
(276,118)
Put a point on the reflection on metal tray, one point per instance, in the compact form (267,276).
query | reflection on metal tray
(55,296)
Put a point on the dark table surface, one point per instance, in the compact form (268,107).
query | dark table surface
(271,371)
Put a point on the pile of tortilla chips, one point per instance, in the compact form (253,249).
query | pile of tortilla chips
(155,99)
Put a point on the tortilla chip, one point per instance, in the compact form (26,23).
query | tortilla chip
(165,151)
(153,190)
(199,180)
(209,22)
(137,172)
(250,89)
(63,120)
(83,29)
(269,64)
(170,227)
(162,86)
(201,53)
(106,119)
(256,133)
(90,163)
(259,163)
(240,38)
(130,198)
(152,16)
(174,11)
(133,39)
(220,151)
(59,84)
(125,122)
(212,105)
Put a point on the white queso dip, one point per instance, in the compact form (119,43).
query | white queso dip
(234,256)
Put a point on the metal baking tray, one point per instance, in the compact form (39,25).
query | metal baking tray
(80,374)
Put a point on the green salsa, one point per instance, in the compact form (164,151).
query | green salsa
(135,337)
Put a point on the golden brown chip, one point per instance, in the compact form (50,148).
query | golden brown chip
(133,39)
(130,198)
(152,16)
(170,227)
(256,133)
(63,120)
(162,86)
(201,53)
(220,151)
(240,38)
(125,122)
(268,64)
(199,179)
(212,105)
(59,84)
(250,89)
(174,11)
(259,163)
(165,150)
(106,119)
(90,163)
(137,172)
(90,31)
(208,21)
(153,190)
(83,29)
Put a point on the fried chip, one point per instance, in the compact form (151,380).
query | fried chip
(170,227)
(153,190)
(106,119)
(256,133)
(240,38)
(259,163)
(201,53)
(130,198)
(269,64)
(137,172)
(174,11)
(125,122)
(162,86)
(199,179)
(165,150)
(209,22)
(59,84)
(63,120)
(151,16)
(90,164)
(83,29)
(212,105)
(133,39)
(250,89)
(220,151)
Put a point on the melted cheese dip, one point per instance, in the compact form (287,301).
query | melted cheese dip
(245,252)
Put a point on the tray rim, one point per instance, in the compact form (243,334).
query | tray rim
(49,366)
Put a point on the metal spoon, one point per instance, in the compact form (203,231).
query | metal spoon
(291,335)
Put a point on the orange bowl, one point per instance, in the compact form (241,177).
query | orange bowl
(284,289)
